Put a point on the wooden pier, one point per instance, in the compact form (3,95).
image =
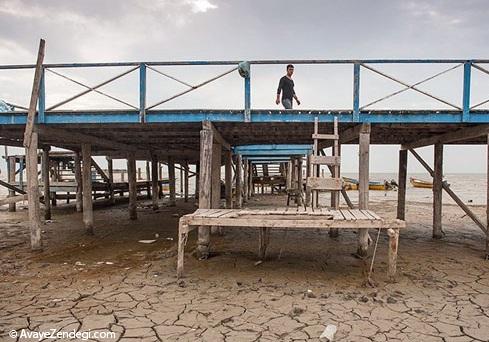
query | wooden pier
(207,140)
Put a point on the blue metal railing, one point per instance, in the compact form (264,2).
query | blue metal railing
(358,113)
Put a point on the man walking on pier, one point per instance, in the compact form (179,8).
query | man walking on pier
(286,86)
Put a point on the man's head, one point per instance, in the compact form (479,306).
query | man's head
(290,70)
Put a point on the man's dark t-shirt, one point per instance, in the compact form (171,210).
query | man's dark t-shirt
(287,87)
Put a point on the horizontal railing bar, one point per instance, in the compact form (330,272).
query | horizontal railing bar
(233,62)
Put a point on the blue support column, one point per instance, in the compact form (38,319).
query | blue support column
(247,103)
(41,118)
(142,92)
(356,92)
(466,95)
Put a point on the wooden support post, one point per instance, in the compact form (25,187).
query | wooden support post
(205,185)
(335,195)
(239,182)
(245,180)
(197,176)
(308,172)
(216,181)
(45,181)
(228,179)
(87,187)
(154,181)
(148,181)
(33,193)
(438,191)
(181,180)
(110,170)
(131,177)
(171,176)
(160,177)
(487,203)
(140,177)
(11,180)
(185,182)
(363,187)
(250,180)
(392,254)
(78,180)
(402,181)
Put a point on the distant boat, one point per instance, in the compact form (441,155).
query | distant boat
(352,184)
(419,183)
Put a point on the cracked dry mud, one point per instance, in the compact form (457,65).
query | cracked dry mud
(442,292)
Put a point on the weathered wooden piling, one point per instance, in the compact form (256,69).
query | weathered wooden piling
(78,180)
(228,178)
(172,185)
(205,181)
(216,180)
(154,181)
(110,171)
(87,187)
(402,181)
(239,182)
(33,192)
(45,180)
(438,191)
(11,180)
(363,186)
(185,181)
(131,177)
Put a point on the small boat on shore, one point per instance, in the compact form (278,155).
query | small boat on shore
(352,184)
(419,183)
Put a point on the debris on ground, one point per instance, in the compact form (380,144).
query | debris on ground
(328,333)
(147,241)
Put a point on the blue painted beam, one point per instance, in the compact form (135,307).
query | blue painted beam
(176,116)
(271,147)
(356,92)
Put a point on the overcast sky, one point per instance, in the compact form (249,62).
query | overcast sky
(98,31)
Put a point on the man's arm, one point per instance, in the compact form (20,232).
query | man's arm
(280,84)
(296,99)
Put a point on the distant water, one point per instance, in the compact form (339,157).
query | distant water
(471,188)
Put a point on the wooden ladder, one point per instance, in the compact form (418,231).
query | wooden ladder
(314,182)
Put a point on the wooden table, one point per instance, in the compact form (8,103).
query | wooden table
(296,218)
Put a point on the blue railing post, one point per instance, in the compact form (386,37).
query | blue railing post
(142,92)
(356,92)
(41,117)
(466,94)
(247,103)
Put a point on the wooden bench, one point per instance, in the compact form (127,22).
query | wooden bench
(296,218)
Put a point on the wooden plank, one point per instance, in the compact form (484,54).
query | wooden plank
(325,136)
(31,114)
(261,221)
(324,184)
(367,214)
(373,214)
(13,199)
(33,193)
(216,134)
(348,216)
(326,160)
